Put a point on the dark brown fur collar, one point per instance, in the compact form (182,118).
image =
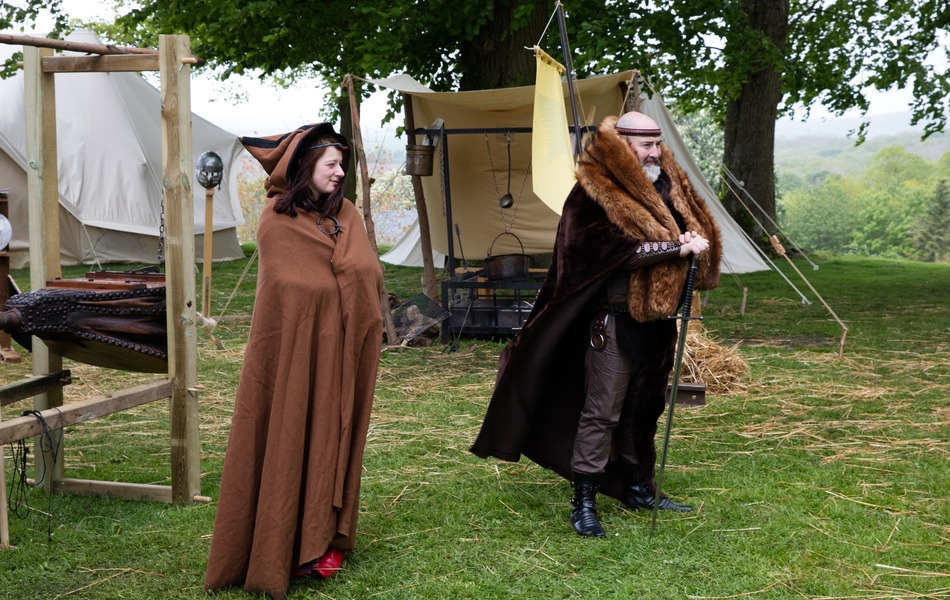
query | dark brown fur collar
(611,175)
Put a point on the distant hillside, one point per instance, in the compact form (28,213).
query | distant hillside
(814,146)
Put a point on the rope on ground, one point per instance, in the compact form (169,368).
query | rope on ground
(236,286)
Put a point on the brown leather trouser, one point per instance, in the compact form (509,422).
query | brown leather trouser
(624,399)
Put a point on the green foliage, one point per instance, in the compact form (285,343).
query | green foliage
(289,39)
(888,220)
(704,139)
(894,208)
(702,53)
(17,14)
(821,218)
(933,230)
(893,167)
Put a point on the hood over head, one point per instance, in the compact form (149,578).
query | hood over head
(280,154)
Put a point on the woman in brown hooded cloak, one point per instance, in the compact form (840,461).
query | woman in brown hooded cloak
(289,493)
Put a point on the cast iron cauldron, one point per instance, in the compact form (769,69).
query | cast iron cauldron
(506,266)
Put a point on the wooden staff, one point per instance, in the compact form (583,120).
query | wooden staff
(206,267)
(388,323)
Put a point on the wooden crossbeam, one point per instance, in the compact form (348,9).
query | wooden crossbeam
(118,489)
(109,63)
(27,388)
(84,410)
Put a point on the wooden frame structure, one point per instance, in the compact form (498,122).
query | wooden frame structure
(7,353)
(172,60)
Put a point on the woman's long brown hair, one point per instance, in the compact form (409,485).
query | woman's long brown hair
(299,196)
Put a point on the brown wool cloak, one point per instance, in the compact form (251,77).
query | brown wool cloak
(291,479)
(539,389)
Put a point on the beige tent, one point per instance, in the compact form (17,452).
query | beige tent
(477,125)
(108,129)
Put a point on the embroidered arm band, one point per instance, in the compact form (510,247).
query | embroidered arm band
(650,253)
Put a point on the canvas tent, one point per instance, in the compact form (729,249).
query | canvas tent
(408,250)
(108,128)
(478,164)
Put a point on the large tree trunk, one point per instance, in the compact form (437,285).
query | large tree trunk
(496,57)
(749,144)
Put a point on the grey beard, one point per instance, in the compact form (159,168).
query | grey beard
(652,171)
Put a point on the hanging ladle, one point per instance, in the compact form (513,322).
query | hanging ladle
(507,200)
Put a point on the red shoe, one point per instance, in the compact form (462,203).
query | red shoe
(323,567)
(328,564)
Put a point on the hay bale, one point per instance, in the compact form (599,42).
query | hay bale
(720,368)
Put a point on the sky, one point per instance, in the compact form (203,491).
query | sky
(269,110)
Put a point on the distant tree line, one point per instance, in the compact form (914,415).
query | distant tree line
(898,207)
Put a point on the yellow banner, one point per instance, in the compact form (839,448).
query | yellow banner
(551,157)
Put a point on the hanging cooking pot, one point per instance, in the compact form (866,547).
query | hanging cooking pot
(506,266)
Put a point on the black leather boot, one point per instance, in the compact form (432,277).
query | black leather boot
(638,494)
(584,513)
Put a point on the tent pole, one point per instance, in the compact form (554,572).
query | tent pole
(425,238)
(448,203)
(388,326)
(570,78)
(636,92)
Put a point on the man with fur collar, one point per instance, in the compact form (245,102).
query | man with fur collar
(590,367)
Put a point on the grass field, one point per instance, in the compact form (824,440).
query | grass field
(825,477)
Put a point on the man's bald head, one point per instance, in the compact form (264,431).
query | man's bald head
(643,135)
(637,123)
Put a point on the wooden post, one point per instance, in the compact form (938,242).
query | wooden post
(43,205)
(177,166)
(7,353)
(4,524)
(388,326)
(431,288)
(206,266)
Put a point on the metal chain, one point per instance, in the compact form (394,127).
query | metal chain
(507,224)
(514,213)
(161,232)
(492,165)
